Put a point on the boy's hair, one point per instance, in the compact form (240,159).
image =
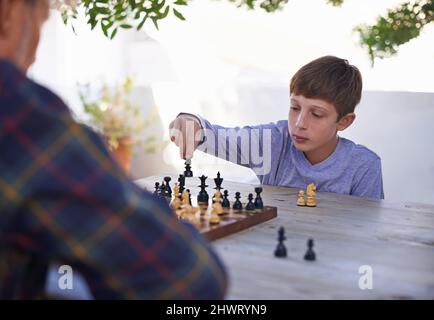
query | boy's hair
(331,79)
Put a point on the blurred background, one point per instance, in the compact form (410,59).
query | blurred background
(233,67)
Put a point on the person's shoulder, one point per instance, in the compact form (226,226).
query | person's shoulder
(50,100)
(281,125)
(21,88)
(360,153)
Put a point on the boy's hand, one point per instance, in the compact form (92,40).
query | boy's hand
(185,133)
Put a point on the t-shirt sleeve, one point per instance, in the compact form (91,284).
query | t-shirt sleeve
(248,146)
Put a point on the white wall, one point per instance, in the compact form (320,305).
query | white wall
(399,126)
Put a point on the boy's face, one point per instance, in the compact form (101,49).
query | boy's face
(313,124)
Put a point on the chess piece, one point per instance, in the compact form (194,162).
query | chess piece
(226,205)
(167,189)
(181,181)
(280,251)
(310,254)
(157,188)
(176,190)
(237,206)
(214,199)
(259,205)
(202,197)
(311,201)
(189,197)
(188,173)
(217,206)
(214,219)
(218,182)
(176,202)
(311,195)
(163,192)
(162,188)
(186,200)
(301,201)
(250,206)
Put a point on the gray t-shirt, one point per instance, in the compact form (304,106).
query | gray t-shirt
(268,150)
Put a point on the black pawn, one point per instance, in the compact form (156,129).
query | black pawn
(181,181)
(158,192)
(163,188)
(280,249)
(162,193)
(225,201)
(157,188)
(310,254)
(167,188)
(259,205)
(188,173)
(237,206)
(250,206)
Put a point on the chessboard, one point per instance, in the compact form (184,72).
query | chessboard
(230,222)
(193,202)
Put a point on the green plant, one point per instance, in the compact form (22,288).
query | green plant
(399,26)
(114,116)
(111,15)
(382,39)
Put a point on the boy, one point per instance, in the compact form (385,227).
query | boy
(306,148)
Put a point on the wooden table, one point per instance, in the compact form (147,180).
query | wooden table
(395,239)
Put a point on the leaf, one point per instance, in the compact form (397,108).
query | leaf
(178,14)
(113,33)
(155,21)
(142,22)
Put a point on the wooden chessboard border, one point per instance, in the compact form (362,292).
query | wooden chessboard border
(251,219)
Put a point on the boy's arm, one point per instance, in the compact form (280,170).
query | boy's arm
(255,147)
(77,207)
(369,180)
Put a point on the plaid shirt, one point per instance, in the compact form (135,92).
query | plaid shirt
(63,199)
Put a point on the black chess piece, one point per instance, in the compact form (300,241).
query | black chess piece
(202,197)
(189,196)
(237,206)
(280,251)
(225,202)
(181,181)
(188,173)
(259,205)
(162,188)
(310,254)
(157,188)
(250,206)
(218,182)
(162,193)
(167,188)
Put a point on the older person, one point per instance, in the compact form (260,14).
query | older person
(64,200)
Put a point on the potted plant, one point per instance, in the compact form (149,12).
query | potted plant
(119,121)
